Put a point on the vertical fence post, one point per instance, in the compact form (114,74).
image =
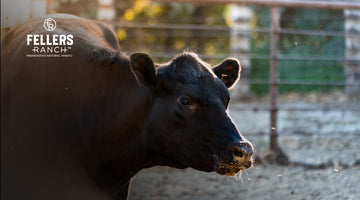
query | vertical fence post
(352,52)
(274,76)
(49,6)
(276,153)
(106,10)
(240,45)
(38,8)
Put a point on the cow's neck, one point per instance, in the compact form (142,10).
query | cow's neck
(117,151)
(114,175)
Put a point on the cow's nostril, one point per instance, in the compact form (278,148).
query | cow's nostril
(248,164)
(238,152)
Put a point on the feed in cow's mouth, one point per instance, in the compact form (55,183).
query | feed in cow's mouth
(231,168)
(228,169)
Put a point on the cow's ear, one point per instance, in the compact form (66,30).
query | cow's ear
(228,71)
(143,67)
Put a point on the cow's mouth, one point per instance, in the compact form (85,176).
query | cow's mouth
(228,169)
(231,168)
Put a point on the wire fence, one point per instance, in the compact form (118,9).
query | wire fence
(204,31)
(164,38)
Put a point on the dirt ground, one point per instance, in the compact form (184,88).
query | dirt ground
(260,183)
(314,131)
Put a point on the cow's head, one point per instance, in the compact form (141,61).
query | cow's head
(189,124)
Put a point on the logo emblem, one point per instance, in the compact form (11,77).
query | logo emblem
(49,24)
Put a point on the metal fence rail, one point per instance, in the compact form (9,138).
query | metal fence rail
(262,57)
(226,29)
(336,5)
(275,31)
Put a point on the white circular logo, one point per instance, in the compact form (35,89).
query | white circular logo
(49,24)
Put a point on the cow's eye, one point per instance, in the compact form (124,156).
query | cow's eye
(186,102)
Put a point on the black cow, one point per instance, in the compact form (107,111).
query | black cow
(81,127)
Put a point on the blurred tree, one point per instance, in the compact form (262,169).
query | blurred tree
(156,40)
(174,40)
(81,8)
(162,43)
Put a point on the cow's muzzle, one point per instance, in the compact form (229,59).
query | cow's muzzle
(243,153)
(238,156)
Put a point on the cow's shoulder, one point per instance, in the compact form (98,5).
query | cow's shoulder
(96,30)
(92,39)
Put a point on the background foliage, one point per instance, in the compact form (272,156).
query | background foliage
(135,34)
(300,45)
